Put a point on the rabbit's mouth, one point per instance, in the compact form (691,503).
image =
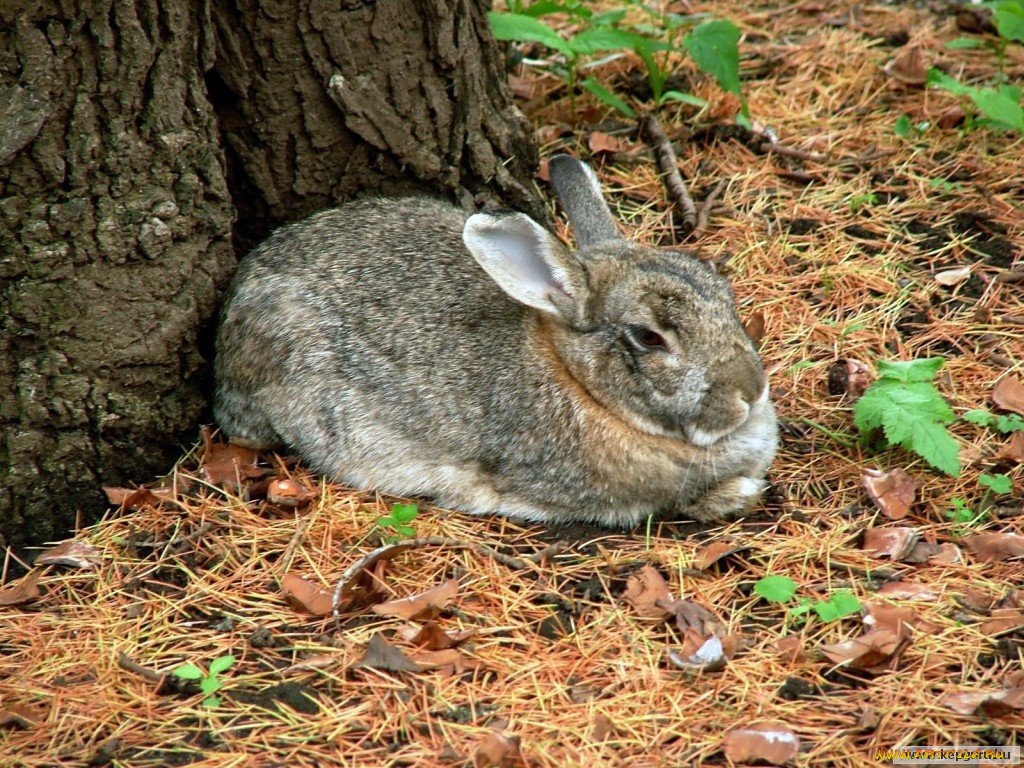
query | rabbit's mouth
(745,413)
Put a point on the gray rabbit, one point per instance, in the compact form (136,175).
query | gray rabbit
(404,345)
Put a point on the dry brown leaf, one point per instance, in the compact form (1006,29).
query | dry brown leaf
(602,728)
(995,547)
(868,652)
(897,619)
(72,552)
(431,637)
(1014,679)
(1003,620)
(869,718)
(25,591)
(710,554)
(382,655)
(698,652)
(985,703)
(950,118)
(136,498)
(950,277)
(497,750)
(948,554)
(644,590)
(791,649)
(908,590)
(1013,451)
(425,659)
(229,466)
(19,715)
(285,492)
(893,542)
(420,606)
(755,327)
(602,142)
(770,741)
(317,661)
(522,87)
(1009,394)
(849,377)
(306,596)
(892,492)
(909,67)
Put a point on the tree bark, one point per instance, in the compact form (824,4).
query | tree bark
(138,137)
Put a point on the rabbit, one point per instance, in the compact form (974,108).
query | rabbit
(406,346)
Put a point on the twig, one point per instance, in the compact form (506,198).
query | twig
(799,154)
(124,662)
(652,133)
(707,207)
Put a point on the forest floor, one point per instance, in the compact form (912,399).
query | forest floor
(580,647)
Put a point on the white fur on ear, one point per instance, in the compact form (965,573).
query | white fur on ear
(519,255)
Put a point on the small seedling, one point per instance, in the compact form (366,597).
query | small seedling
(781,589)
(399,522)
(209,682)
(1000,423)
(998,484)
(961,515)
(859,201)
(776,589)
(842,603)
(904,403)
(904,128)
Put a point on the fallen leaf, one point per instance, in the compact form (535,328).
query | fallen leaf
(285,492)
(1014,679)
(849,377)
(497,749)
(644,590)
(381,655)
(420,606)
(431,637)
(602,728)
(948,554)
(892,492)
(908,590)
(136,498)
(791,649)
(869,718)
(909,67)
(711,553)
(72,552)
(698,653)
(950,118)
(893,542)
(769,741)
(1003,620)
(19,715)
(25,591)
(755,327)
(602,142)
(923,552)
(317,661)
(522,87)
(306,596)
(985,703)
(951,277)
(357,583)
(995,547)
(1013,451)
(897,619)
(867,652)
(228,465)
(425,659)
(1009,394)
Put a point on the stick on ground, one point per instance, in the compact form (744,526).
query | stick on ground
(651,132)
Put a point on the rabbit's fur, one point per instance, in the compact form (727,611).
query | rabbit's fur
(400,344)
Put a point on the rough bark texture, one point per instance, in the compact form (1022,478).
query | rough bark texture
(123,126)
(321,102)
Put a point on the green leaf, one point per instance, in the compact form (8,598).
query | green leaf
(404,513)
(964,42)
(910,370)
(933,443)
(1009,18)
(387,521)
(775,589)
(803,605)
(714,47)
(999,108)
(686,98)
(842,603)
(221,663)
(188,672)
(1000,484)
(902,127)
(211,703)
(939,79)
(209,684)
(608,18)
(598,39)
(514,26)
(1010,423)
(608,97)
(980,417)
(545,7)
(405,530)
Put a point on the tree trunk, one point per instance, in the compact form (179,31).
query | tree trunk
(131,133)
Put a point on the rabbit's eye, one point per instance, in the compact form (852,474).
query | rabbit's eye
(647,338)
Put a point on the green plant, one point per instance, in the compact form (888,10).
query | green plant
(904,403)
(713,46)
(1000,106)
(209,682)
(1004,424)
(859,201)
(999,484)
(903,127)
(399,522)
(782,589)
(962,515)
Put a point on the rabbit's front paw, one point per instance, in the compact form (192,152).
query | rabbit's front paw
(732,497)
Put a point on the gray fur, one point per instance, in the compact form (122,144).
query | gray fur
(369,340)
(580,193)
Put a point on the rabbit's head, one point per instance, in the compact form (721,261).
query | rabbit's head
(652,335)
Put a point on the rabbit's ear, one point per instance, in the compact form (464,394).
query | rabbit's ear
(523,259)
(580,193)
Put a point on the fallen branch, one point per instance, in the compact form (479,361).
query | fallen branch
(708,207)
(799,154)
(652,133)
